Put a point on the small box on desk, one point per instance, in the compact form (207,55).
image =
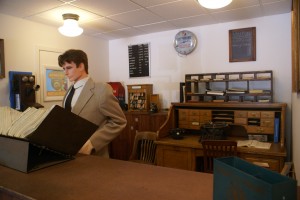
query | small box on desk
(235,178)
(57,139)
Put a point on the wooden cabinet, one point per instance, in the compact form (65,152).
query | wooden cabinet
(121,147)
(249,86)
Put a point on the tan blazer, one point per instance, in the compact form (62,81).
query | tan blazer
(97,104)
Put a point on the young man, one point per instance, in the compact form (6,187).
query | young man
(92,101)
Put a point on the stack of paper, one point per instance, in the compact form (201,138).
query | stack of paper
(215,92)
(21,124)
(254,143)
(7,116)
(235,91)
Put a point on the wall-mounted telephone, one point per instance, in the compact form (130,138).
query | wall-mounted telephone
(23,89)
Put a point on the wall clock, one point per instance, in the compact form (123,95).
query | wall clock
(185,42)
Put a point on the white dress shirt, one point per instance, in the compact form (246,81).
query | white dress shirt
(78,86)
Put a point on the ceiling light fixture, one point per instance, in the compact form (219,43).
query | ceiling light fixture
(214,4)
(70,27)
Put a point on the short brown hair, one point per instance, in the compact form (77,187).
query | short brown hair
(74,55)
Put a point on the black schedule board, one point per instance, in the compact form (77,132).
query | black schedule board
(242,44)
(138,60)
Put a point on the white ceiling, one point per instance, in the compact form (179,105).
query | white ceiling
(112,19)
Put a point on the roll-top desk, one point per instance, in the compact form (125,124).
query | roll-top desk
(266,119)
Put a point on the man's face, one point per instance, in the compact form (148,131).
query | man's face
(72,72)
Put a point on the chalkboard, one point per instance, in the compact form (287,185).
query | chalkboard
(242,45)
(138,60)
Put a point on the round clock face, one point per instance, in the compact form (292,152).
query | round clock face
(185,42)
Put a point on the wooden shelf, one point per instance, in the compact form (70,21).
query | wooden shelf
(249,86)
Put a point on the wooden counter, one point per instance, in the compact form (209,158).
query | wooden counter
(91,177)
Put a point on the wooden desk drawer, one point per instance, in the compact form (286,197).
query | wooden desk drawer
(205,113)
(183,124)
(195,125)
(183,112)
(254,114)
(193,112)
(260,130)
(182,117)
(267,122)
(193,118)
(205,118)
(267,114)
(242,121)
(240,113)
(268,163)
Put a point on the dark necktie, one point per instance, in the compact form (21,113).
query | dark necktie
(69,99)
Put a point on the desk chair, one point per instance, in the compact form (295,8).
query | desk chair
(215,149)
(144,147)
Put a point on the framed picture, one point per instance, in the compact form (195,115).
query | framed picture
(55,84)
(242,44)
(2,63)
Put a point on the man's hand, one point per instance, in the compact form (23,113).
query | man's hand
(87,148)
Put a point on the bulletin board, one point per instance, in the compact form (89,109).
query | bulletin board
(139,65)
